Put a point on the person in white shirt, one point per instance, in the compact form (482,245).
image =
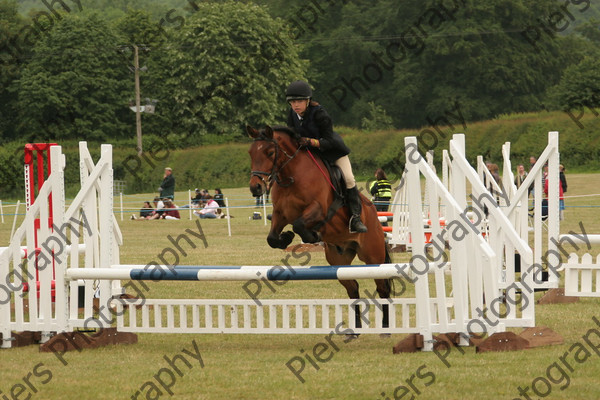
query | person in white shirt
(209,210)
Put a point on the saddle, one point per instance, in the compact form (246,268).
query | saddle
(337,180)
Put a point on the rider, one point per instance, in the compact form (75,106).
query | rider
(315,127)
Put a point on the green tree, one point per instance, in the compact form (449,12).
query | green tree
(580,85)
(74,85)
(377,119)
(230,65)
(591,31)
(484,60)
(418,58)
(13,53)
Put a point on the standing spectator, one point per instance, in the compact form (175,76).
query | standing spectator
(259,199)
(170,211)
(167,187)
(563,186)
(521,175)
(495,172)
(381,190)
(561,199)
(563,178)
(209,210)
(532,161)
(545,175)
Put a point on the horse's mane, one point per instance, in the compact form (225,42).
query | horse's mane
(288,131)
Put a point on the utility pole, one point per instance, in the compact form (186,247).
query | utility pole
(138,111)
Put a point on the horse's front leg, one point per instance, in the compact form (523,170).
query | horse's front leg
(303,225)
(276,238)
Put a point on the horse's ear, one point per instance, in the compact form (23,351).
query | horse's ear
(253,133)
(268,132)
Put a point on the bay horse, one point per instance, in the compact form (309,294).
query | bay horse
(302,193)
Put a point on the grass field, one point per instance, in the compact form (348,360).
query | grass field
(254,366)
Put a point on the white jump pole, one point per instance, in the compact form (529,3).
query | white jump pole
(121,199)
(239,273)
(1,212)
(80,249)
(592,239)
(12,231)
(228,217)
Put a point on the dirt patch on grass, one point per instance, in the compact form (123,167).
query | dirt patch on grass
(306,247)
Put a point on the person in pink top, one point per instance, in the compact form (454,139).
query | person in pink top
(210,208)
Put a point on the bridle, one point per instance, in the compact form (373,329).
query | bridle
(274,174)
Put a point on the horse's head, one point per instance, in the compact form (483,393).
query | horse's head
(262,156)
(269,153)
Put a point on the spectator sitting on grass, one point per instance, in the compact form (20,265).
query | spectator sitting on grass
(209,210)
(171,211)
(219,198)
(145,212)
(195,201)
(197,198)
(159,208)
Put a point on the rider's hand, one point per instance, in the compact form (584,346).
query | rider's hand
(304,141)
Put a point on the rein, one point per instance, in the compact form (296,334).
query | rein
(274,174)
(321,169)
(267,177)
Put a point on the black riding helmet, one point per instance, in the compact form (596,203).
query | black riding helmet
(298,90)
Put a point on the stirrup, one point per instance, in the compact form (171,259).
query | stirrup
(359,226)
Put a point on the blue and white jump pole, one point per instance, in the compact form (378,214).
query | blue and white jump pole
(239,273)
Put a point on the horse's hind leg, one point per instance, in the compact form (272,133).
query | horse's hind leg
(334,257)
(384,287)
(379,255)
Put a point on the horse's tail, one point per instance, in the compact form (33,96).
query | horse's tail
(388,260)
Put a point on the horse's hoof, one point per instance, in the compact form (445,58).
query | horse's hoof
(274,243)
(286,238)
(314,237)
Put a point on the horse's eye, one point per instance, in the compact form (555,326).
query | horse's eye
(270,153)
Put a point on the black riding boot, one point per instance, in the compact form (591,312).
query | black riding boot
(354,204)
